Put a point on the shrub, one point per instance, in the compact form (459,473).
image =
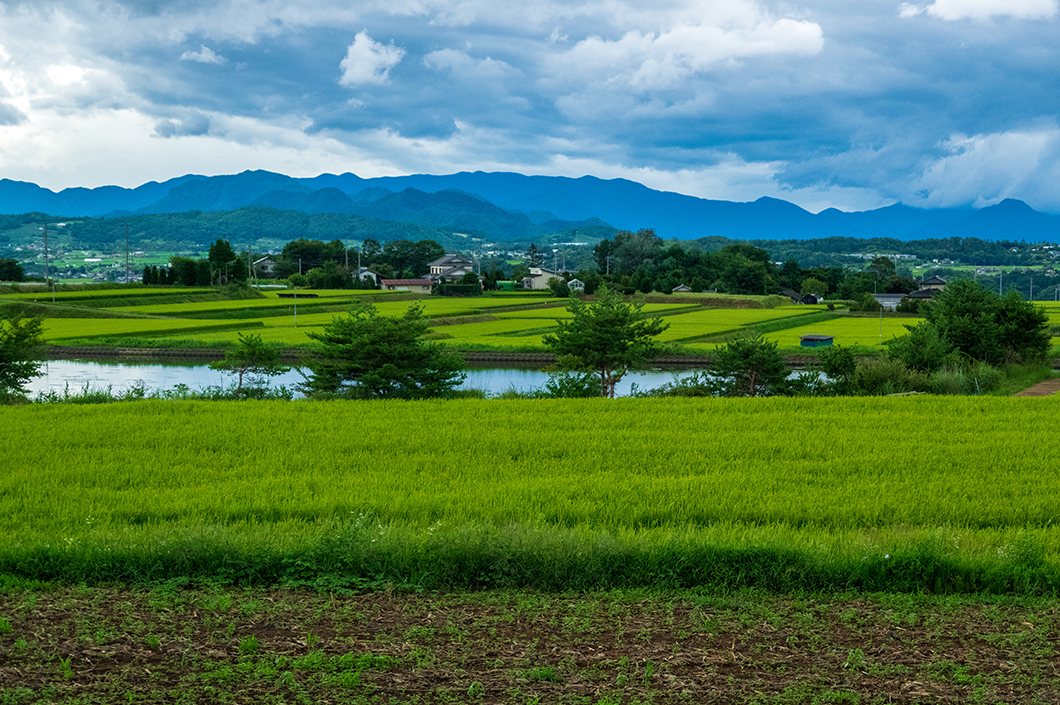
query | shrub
(882,376)
(924,348)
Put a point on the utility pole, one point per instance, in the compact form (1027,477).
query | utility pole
(47,263)
(127,278)
(250,264)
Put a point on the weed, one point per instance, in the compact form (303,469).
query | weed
(249,646)
(542,673)
(855,660)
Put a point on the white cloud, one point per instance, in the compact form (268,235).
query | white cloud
(205,55)
(647,61)
(982,9)
(465,67)
(985,169)
(368,61)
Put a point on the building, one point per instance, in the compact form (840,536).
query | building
(265,268)
(538,278)
(681,289)
(417,286)
(451,268)
(888,301)
(576,285)
(935,283)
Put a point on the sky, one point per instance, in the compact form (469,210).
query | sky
(825,103)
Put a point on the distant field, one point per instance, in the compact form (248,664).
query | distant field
(514,320)
(58,329)
(46,294)
(847,331)
(707,322)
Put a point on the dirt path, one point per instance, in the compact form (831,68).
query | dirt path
(1042,389)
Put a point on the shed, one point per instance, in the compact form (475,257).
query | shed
(681,289)
(816,341)
(506,285)
(576,285)
(420,286)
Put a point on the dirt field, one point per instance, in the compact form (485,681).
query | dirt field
(85,645)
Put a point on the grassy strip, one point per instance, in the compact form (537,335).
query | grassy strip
(367,554)
(108,338)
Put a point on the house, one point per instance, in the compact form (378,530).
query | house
(575,285)
(816,341)
(681,289)
(888,301)
(810,300)
(923,294)
(418,286)
(538,278)
(450,268)
(935,283)
(792,294)
(265,267)
(364,275)
(928,289)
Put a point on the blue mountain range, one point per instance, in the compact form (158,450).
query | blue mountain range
(508,206)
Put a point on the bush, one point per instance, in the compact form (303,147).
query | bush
(881,376)
(867,302)
(697,384)
(924,348)
(840,365)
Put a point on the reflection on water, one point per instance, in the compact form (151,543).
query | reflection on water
(75,375)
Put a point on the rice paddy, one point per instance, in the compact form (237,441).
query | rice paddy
(816,488)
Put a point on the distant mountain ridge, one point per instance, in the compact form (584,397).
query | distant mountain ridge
(508,206)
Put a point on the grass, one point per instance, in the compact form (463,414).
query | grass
(558,494)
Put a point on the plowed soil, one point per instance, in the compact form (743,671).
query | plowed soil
(88,645)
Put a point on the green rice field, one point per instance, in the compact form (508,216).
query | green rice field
(866,332)
(782,493)
(501,321)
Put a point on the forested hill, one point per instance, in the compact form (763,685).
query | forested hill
(505,206)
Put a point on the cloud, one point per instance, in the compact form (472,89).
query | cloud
(985,169)
(982,9)
(368,61)
(205,55)
(10,115)
(644,61)
(464,67)
(192,125)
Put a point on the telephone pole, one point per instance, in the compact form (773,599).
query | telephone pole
(127,277)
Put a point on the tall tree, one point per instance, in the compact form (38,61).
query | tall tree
(10,270)
(533,256)
(20,340)
(364,355)
(985,326)
(253,359)
(752,367)
(608,337)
